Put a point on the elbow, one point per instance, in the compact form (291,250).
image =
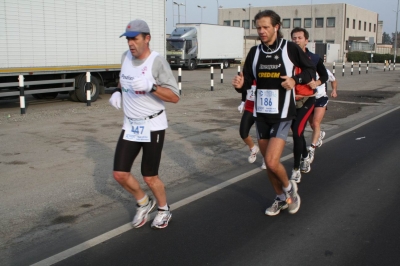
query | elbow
(175,99)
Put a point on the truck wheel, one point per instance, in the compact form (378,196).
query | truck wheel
(192,65)
(80,91)
(226,64)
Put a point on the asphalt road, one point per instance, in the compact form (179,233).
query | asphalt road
(57,191)
(349,215)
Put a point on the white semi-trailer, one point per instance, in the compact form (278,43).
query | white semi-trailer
(191,45)
(53,43)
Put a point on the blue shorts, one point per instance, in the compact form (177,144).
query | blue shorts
(321,102)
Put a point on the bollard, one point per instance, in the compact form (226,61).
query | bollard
(367,67)
(88,89)
(394,65)
(324,58)
(222,73)
(238,70)
(384,66)
(351,70)
(21,94)
(359,67)
(180,80)
(333,70)
(212,78)
(343,70)
(390,64)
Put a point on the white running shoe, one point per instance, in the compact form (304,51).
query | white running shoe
(311,153)
(293,199)
(321,137)
(322,134)
(263,166)
(253,154)
(162,219)
(142,213)
(305,165)
(296,175)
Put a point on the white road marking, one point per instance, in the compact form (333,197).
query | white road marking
(126,227)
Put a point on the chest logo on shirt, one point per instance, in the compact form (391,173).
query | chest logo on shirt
(269,67)
(269,75)
(276,57)
(144,70)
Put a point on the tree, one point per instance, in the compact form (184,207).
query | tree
(394,37)
(386,39)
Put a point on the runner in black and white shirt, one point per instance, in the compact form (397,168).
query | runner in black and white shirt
(146,82)
(272,64)
(321,105)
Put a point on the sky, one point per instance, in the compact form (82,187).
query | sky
(190,13)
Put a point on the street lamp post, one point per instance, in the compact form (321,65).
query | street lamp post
(179,14)
(201,7)
(395,35)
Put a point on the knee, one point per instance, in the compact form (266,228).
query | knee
(151,181)
(121,177)
(272,164)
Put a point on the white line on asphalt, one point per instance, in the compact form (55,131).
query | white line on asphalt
(126,227)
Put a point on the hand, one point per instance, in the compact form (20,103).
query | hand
(240,107)
(333,94)
(288,82)
(238,81)
(141,84)
(115,100)
(313,84)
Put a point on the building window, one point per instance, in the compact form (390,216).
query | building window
(354,24)
(227,23)
(245,24)
(359,24)
(330,22)
(286,23)
(297,22)
(307,23)
(254,26)
(348,23)
(236,23)
(330,41)
(374,27)
(319,22)
(369,27)
(319,41)
(365,26)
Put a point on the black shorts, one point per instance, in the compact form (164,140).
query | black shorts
(273,130)
(127,151)
(321,102)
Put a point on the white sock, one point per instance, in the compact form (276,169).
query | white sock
(143,201)
(281,197)
(254,148)
(286,189)
(164,208)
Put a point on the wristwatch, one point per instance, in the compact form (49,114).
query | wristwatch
(154,88)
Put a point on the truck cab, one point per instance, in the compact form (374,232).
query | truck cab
(182,48)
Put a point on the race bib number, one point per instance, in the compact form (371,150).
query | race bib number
(139,131)
(251,93)
(268,101)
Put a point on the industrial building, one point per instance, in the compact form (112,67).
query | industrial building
(352,28)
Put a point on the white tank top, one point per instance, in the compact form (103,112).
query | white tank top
(139,104)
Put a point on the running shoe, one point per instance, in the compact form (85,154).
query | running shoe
(311,152)
(253,154)
(161,220)
(305,165)
(293,198)
(276,207)
(142,213)
(263,166)
(321,137)
(296,175)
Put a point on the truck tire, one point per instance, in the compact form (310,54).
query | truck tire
(192,65)
(226,64)
(80,90)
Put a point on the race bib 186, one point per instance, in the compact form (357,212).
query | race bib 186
(268,101)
